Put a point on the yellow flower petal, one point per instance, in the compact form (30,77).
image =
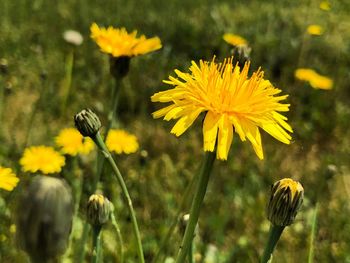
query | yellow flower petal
(72,142)
(210,130)
(120,141)
(8,180)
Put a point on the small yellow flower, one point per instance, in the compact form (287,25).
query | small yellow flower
(8,180)
(72,142)
(315,30)
(316,80)
(118,42)
(325,5)
(42,158)
(234,40)
(230,99)
(120,141)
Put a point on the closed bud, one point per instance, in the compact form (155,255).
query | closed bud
(285,201)
(45,218)
(98,210)
(87,123)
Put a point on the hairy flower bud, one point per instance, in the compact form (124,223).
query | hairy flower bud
(285,201)
(98,210)
(87,123)
(45,218)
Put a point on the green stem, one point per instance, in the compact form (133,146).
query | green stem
(312,235)
(96,244)
(190,253)
(99,142)
(120,238)
(196,206)
(176,219)
(67,82)
(274,236)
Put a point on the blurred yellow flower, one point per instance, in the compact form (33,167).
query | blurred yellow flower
(8,180)
(72,142)
(316,80)
(325,5)
(120,141)
(118,42)
(234,40)
(42,158)
(315,30)
(230,100)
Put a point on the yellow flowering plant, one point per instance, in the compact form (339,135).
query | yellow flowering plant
(72,142)
(118,42)
(234,40)
(316,80)
(231,101)
(42,158)
(120,141)
(8,180)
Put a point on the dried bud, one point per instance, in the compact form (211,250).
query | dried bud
(241,54)
(98,210)
(45,218)
(119,66)
(87,123)
(285,201)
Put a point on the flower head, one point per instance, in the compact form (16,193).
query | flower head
(42,158)
(316,80)
(73,37)
(121,141)
(234,40)
(315,30)
(230,100)
(98,210)
(118,42)
(8,180)
(285,201)
(45,218)
(325,6)
(72,142)
(87,123)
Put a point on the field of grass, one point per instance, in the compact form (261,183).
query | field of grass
(233,226)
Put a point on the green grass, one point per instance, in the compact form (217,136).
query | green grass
(233,217)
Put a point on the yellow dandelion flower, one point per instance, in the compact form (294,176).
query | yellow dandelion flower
(315,30)
(316,80)
(8,180)
(120,141)
(42,158)
(118,42)
(72,142)
(230,99)
(325,5)
(234,40)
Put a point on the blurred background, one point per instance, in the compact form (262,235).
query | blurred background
(233,226)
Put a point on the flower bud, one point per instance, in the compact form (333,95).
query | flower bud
(285,201)
(98,210)
(119,66)
(87,123)
(45,218)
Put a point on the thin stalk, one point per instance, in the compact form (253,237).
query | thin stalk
(67,82)
(168,235)
(190,253)
(274,235)
(100,163)
(96,244)
(120,238)
(196,206)
(100,143)
(312,235)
